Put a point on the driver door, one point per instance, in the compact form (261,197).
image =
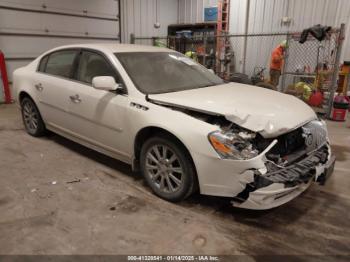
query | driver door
(98,116)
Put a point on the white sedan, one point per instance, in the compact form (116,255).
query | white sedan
(177,122)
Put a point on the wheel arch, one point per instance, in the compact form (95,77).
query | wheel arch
(148,132)
(22,95)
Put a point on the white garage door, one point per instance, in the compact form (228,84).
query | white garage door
(31,27)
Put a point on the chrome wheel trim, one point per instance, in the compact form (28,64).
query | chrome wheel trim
(164,169)
(31,117)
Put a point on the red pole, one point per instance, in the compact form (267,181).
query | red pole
(4,78)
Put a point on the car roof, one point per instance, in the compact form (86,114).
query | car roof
(117,48)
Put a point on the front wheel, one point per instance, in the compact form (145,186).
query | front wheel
(167,168)
(32,120)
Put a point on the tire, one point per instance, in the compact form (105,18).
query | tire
(180,173)
(32,120)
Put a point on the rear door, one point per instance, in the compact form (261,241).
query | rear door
(98,116)
(53,84)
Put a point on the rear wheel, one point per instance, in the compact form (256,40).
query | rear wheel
(167,168)
(32,120)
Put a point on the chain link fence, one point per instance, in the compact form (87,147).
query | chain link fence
(310,61)
(252,53)
(315,63)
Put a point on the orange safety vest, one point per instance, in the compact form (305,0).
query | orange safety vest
(277,58)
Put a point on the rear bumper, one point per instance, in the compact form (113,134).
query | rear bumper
(279,186)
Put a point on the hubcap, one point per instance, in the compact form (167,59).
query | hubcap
(164,168)
(30,117)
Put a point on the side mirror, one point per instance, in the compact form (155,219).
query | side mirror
(106,83)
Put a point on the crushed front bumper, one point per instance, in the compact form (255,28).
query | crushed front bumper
(280,185)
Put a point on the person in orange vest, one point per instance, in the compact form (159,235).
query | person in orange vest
(276,64)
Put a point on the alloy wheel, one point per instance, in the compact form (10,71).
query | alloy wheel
(164,168)
(31,117)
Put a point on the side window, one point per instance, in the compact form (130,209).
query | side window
(43,63)
(91,65)
(61,63)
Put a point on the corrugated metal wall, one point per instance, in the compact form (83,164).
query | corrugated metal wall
(265,16)
(192,11)
(139,17)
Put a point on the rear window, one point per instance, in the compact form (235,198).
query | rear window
(61,63)
(43,63)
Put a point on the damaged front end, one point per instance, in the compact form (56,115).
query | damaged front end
(296,159)
(291,161)
(260,169)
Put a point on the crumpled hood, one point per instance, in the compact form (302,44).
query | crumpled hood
(260,110)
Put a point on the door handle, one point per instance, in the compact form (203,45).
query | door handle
(75,99)
(39,87)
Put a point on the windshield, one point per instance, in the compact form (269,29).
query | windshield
(164,72)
